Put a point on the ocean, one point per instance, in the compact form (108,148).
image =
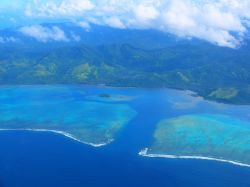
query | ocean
(47,159)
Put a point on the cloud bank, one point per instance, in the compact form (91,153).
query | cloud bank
(221,22)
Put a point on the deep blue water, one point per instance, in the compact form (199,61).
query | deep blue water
(45,159)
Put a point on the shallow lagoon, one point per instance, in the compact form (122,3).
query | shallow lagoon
(25,154)
(203,137)
(64,110)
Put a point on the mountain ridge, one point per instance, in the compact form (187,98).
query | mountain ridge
(216,73)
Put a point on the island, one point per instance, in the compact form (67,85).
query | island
(202,136)
(64,110)
(105,97)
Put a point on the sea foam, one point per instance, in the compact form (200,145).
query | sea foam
(145,153)
(68,135)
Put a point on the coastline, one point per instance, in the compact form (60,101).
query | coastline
(68,135)
(145,153)
(190,92)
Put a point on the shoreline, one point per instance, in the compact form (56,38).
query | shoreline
(65,134)
(190,92)
(145,153)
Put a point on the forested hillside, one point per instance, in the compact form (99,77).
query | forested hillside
(215,73)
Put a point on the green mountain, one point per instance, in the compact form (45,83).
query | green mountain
(216,73)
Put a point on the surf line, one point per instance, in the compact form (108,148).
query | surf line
(145,153)
(68,135)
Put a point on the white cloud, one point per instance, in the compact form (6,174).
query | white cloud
(208,22)
(52,8)
(115,22)
(83,24)
(7,39)
(145,12)
(44,34)
(75,37)
(222,22)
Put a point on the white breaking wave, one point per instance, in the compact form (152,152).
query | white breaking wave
(68,135)
(145,153)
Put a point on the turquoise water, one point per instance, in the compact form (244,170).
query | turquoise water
(62,108)
(214,136)
(46,159)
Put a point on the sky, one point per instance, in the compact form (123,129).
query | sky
(221,22)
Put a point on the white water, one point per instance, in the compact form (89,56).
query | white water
(68,135)
(145,153)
